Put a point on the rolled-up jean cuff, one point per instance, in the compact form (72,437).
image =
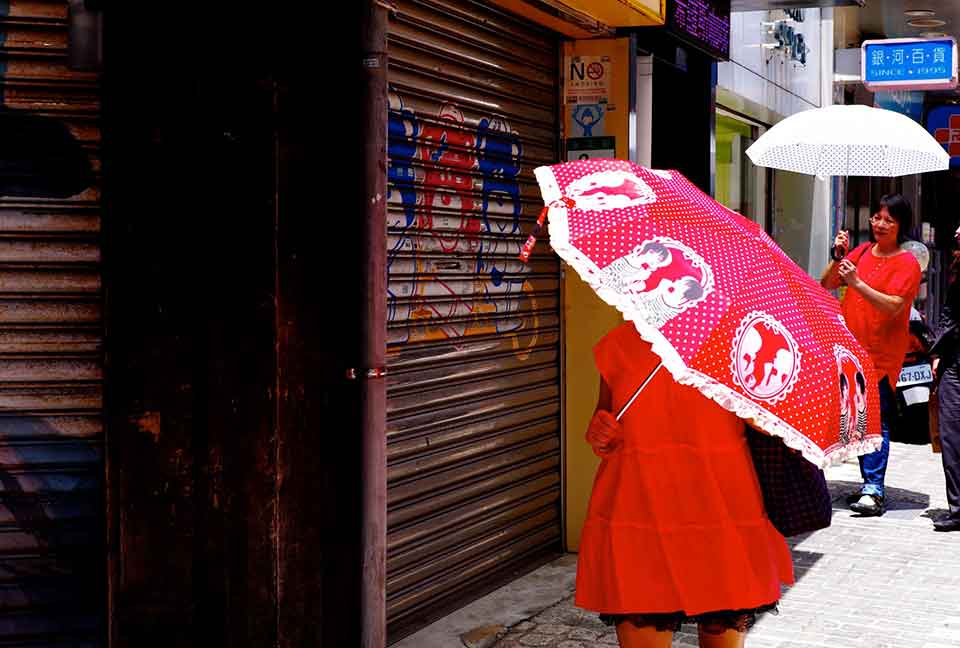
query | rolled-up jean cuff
(872,489)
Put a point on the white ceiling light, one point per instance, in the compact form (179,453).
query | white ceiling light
(926,22)
(933,34)
(919,13)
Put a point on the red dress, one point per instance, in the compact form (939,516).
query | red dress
(676,520)
(885,337)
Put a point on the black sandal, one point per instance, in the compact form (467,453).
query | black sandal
(947,524)
(875,509)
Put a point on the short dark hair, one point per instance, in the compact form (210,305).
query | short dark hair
(900,211)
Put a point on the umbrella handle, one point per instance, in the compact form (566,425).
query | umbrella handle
(837,253)
(643,386)
(527,249)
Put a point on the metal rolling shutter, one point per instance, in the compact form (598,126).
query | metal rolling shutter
(52,549)
(473,427)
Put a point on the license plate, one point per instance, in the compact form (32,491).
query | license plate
(915,375)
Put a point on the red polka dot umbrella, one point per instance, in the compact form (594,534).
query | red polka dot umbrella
(722,306)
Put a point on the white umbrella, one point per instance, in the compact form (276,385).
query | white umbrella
(849,141)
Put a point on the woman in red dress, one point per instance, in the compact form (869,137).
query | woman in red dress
(882,280)
(676,530)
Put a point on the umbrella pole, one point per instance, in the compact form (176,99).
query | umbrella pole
(843,195)
(643,386)
(842,198)
(840,219)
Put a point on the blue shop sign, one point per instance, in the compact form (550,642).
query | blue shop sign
(909,64)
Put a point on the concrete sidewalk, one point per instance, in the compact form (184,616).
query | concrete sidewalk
(887,582)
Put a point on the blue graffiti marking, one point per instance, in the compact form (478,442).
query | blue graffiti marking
(444,145)
(498,155)
(401,177)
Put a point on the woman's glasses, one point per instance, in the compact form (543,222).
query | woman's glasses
(877,219)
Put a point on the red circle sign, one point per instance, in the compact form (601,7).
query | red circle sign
(595,71)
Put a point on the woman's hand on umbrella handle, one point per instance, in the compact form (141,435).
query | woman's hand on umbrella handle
(605,433)
(848,273)
(841,245)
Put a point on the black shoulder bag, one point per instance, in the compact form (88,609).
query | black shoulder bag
(795,491)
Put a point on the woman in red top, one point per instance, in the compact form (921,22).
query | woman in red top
(882,281)
(676,529)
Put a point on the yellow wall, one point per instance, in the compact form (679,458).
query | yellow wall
(586,317)
(587,320)
(609,13)
(622,13)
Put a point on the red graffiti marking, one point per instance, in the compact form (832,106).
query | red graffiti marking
(447,187)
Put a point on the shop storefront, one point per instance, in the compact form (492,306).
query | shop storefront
(479,96)
(781,63)
(740,184)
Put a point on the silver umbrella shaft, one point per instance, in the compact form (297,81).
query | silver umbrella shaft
(639,389)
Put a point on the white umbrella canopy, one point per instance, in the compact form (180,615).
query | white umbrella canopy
(849,141)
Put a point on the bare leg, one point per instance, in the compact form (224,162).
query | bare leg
(727,639)
(631,636)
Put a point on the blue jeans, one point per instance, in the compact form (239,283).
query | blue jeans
(873,467)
